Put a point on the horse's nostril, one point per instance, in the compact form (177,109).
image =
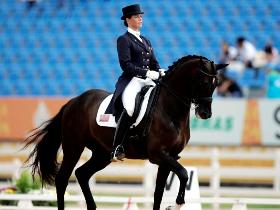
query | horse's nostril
(205,114)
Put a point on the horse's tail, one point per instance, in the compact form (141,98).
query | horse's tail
(47,139)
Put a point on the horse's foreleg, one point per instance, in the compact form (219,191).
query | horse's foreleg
(95,163)
(162,175)
(171,164)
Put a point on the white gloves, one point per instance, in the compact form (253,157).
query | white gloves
(162,72)
(154,75)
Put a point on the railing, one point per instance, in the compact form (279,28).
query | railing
(237,203)
(215,171)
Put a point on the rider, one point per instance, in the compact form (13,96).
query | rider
(140,67)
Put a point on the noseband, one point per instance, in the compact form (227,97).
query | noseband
(186,101)
(202,69)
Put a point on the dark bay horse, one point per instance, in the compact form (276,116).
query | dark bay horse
(190,80)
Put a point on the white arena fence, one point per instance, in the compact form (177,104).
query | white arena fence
(237,203)
(215,172)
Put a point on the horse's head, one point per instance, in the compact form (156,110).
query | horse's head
(193,79)
(204,83)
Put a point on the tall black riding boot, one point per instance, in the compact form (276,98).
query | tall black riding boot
(123,126)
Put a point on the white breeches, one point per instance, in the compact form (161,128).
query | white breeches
(131,90)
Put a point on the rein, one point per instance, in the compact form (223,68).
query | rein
(184,101)
(172,92)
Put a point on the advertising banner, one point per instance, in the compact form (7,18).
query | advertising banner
(270,122)
(223,128)
(238,122)
(18,116)
(234,121)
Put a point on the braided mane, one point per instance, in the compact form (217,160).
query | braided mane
(184,59)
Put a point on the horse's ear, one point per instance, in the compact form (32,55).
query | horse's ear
(220,66)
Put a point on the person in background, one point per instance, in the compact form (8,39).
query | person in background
(271,54)
(246,52)
(228,53)
(267,59)
(140,67)
(228,87)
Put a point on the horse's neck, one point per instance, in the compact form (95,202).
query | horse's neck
(177,108)
(176,116)
(182,77)
(172,107)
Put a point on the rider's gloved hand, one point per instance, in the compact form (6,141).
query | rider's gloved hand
(154,75)
(162,72)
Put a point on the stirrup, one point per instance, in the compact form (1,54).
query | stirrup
(118,154)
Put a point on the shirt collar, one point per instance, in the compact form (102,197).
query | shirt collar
(135,33)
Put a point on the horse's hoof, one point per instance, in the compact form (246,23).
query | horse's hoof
(176,207)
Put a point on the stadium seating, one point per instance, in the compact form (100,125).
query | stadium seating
(53,49)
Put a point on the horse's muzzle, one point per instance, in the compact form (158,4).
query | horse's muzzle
(203,113)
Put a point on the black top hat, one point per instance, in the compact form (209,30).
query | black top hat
(131,10)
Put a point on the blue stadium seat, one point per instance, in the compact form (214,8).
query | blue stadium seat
(254,78)
(6,88)
(74,42)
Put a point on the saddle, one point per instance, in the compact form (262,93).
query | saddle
(135,133)
(144,103)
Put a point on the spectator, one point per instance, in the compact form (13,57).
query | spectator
(228,52)
(246,52)
(228,87)
(271,54)
(268,58)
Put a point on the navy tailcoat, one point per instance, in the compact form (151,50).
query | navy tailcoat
(135,58)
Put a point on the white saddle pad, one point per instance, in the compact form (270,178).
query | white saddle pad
(108,120)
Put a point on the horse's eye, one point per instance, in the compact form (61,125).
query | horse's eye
(216,82)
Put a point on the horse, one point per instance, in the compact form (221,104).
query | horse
(189,80)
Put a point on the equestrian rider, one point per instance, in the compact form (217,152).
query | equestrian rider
(140,67)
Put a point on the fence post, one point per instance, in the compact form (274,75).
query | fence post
(149,180)
(18,164)
(215,179)
(25,203)
(276,181)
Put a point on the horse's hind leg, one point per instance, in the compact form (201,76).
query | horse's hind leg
(69,161)
(99,160)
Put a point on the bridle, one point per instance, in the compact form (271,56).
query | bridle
(186,101)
